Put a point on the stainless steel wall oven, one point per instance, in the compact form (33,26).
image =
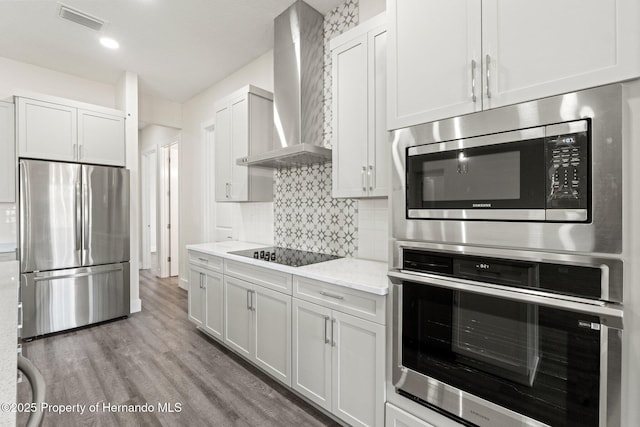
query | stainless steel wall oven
(508,339)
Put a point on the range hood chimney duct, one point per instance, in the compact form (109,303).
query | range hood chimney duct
(298,87)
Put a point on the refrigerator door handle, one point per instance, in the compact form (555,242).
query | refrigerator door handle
(92,272)
(78,218)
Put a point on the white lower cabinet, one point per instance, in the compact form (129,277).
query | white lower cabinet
(338,363)
(258,326)
(396,417)
(205,300)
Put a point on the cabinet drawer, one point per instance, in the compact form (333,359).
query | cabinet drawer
(351,301)
(272,279)
(210,262)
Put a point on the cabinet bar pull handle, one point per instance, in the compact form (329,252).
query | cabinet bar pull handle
(248,299)
(326,339)
(473,80)
(79,151)
(488,76)
(203,259)
(371,178)
(333,338)
(253,305)
(362,176)
(74,148)
(327,294)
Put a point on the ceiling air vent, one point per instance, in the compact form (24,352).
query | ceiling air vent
(81,18)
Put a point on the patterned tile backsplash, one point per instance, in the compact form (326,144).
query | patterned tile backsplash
(306,217)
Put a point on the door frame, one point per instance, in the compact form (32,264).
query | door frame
(163,206)
(146,208)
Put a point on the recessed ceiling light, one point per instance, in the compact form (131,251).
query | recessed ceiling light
(109,43)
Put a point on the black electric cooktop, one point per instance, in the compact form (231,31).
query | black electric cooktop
(286,256)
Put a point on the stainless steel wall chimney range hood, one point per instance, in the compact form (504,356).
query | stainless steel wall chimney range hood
(298,87)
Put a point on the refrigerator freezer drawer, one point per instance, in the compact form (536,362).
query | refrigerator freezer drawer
(57,300)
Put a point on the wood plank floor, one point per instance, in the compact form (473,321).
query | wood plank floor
(154,356)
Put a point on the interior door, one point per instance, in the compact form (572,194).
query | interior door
(105,229)
(50,215)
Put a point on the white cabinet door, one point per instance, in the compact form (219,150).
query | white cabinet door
(196,295)
(358,370)
(379,146)
(46,130)
(101,138)
(548,47)
(349,71)
(222,153)
(311,366)
(214,304)
(432,46)
(7,154)
(239,148)
(272,326)
(238,315)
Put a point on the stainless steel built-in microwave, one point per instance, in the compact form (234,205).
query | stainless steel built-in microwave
(543,175)
(533,174)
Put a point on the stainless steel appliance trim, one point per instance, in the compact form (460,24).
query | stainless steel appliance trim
(506,214)
(566,215)
(564,128)
(604,365)
(480,141)
(78,214)
(613,373)
(610,314)
(612,268)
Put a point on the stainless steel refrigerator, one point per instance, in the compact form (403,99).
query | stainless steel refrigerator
(74,245)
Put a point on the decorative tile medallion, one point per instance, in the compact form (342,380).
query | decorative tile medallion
(306,217)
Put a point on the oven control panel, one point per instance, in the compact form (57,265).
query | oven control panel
(567,165)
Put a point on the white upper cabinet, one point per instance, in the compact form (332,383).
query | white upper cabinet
(100,138)
(67,132)
(243,126)
(7,154)
(548,47)
(460,56)
(47,131)
(434,60)
(360,144)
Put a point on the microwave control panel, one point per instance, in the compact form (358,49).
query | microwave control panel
(567,178)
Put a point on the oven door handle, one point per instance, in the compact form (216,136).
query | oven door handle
(610,315)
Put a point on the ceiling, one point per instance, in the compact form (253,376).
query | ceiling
(177,47)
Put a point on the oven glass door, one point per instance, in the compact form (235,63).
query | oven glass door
(487,177)
(541,362)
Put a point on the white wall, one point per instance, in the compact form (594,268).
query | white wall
(195,112)
(160,111)
(371,8)
(16,75)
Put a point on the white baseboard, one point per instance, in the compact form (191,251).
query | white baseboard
(183,284)
(136,305)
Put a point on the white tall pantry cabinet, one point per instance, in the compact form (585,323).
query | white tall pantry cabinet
(360,140)
(243,126)
(460,56)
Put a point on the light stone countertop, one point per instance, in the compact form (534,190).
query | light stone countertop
(8,338)
(360,274)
